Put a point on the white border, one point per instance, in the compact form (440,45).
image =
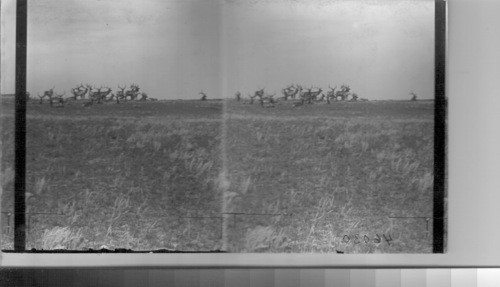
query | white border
(473,74)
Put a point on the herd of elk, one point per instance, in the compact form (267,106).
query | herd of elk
(303,96)
(94,95)
(295,92)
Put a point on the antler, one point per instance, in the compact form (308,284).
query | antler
(61,95)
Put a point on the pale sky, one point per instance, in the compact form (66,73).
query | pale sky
(175,48)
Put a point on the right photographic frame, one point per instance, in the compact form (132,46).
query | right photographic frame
(340,150)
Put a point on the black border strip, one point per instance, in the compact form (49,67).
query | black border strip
(439,128)
(20,127)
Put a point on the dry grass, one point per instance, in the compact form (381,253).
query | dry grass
(333,176)
(139,177)
(119,182)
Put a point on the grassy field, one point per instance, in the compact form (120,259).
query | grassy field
(192,175)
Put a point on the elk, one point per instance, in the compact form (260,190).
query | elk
(97,96)
(82,92)
(298,104)
(103,94)
(290,92)
(354,97)
(287,92)
(111,98)
(133,92)
(120,95)
(60,99)
(343,93)
(49,94)
(309,96)
(92,94)
(331,94)
(41,98)
(269,98)
(413,96)
(320,98)
(260,95)
(295,92)
(144,96)
(251,98)
(313,95)
(88,104)
(79,92)
(203,95)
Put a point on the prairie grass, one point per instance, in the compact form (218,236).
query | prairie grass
(150,176)
(118,182)
(333,175)
(61,238)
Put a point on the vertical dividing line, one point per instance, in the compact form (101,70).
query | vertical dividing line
(20,128)
(439,127)
(223,177)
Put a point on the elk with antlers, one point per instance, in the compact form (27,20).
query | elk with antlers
(314,95)
(309,95)
(321,97)
(203,95)
(133,92)
(41,98)
(354,97)
(79,92)
(49,94)
(251,98)
(343,93)
(331,94)
(287,91)
(144,97)
(290,92)
(92,94)
(269,99)
(259,94)
(102,95)
(413,96)
(97,96)
(120,95)
(59,99)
